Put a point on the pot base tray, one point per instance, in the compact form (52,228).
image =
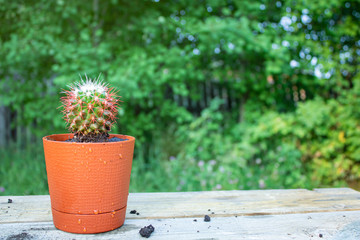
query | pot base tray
(89,223)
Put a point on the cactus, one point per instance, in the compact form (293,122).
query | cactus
(90,109)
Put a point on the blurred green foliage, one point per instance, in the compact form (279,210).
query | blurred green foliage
(219,94)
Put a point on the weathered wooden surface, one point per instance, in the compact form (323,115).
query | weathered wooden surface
(263,214)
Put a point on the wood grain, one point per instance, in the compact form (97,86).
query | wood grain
(332,225)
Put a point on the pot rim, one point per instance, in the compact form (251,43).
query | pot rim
(48,139)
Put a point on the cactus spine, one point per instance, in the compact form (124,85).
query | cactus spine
(90,109)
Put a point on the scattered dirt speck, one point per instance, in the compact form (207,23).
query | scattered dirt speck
(320,235)
(10,200)
(147,231)
(209,209)
(137,213)
(206,218)
(133,212)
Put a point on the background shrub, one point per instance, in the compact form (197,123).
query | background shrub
(219,94)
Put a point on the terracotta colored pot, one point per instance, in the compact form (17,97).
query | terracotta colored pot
(88,182)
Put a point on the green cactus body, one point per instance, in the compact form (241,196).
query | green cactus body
(90,109)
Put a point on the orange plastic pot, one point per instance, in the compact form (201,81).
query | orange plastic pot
(88,182)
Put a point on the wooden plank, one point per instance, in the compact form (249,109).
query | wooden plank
(257,202)
(332,225)
(196,204)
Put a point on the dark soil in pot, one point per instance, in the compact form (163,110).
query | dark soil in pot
(114,139)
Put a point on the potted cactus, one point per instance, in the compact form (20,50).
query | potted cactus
(89,169)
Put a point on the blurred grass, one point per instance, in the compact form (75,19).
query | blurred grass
(22,171)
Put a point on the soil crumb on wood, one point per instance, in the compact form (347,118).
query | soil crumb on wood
(147,231)
(206,218)
(22,236)
(10,200)
(133,212)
